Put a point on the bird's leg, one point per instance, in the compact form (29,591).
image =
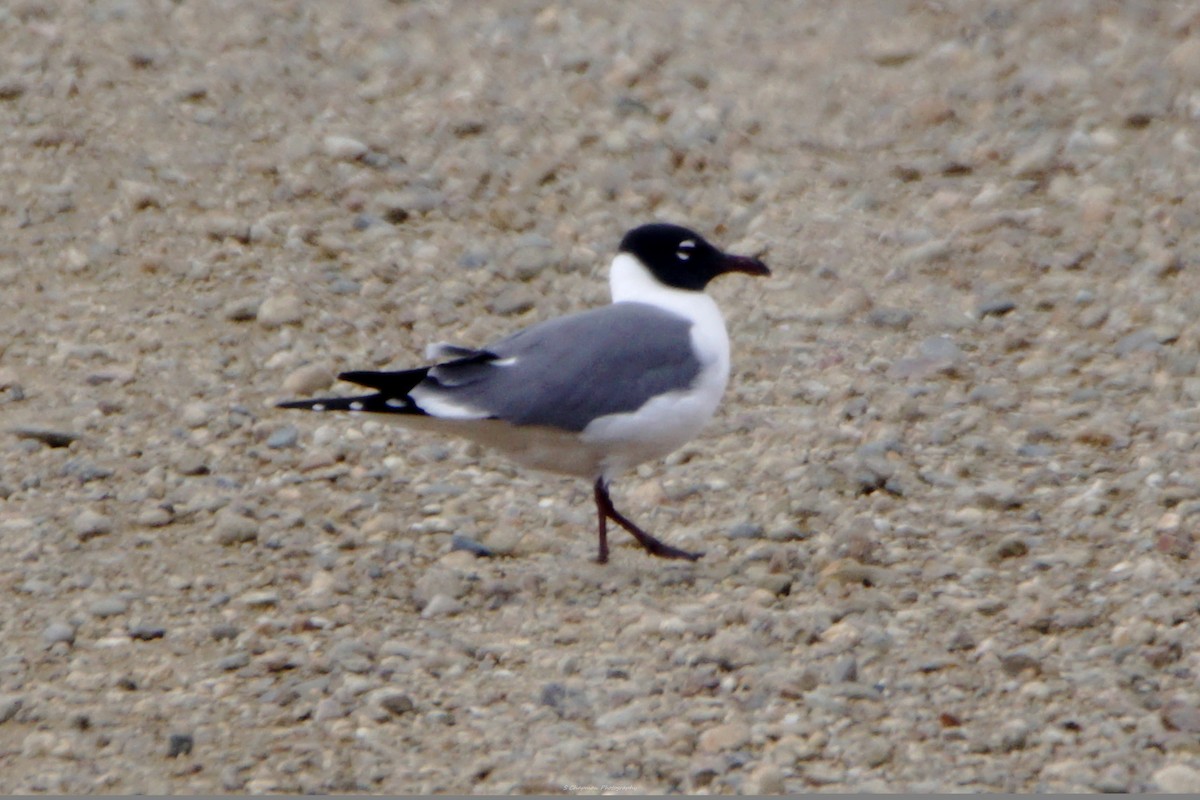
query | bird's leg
(653,546)
(602,501)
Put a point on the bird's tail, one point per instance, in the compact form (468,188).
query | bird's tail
(392,396)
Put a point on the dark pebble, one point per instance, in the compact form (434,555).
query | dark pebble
(147,632)
(180,744)
(894,318)
(997,306)
(46,437)
(460,542)
(397,703)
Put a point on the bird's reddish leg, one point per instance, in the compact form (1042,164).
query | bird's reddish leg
(653,546)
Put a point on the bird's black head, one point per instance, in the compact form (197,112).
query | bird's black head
(682,259)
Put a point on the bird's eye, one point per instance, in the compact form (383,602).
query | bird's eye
(683,255)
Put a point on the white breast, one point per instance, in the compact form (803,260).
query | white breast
(667,421)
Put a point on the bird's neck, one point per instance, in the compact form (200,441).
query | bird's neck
(631,282)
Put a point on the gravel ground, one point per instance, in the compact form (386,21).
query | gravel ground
(949,504)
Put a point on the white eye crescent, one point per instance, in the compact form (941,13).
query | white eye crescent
(683,255)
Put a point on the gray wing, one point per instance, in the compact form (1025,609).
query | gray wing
(566,372)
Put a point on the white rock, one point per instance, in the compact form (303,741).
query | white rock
(344,148)
(1177,779)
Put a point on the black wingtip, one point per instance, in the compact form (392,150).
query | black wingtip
(397,384)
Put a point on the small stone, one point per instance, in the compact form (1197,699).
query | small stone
(280,438)
(845,670)
(961,640)
(441,605)
(396,207)
(730,736)
(57,632)
(308,380)
(232,528)
(222,226)
(156,517)
(1009,547)
(145,632)
(191,462)
(1177,779)
(11,88)
(930,252)
(766,779)
(894,318)
(512,300)
(139,196)
(265,598)
(224,630)
(1036,159)
(233,661)
(89,524)
(1178,715)
(280,310)
(1184,58)
(397,703)
(527,263)
(344,148)
(998,494)
(108,607)
(469,545)
(50,438)
(179,744)
(995,306)
(746,530)
(10,704)
(242,309)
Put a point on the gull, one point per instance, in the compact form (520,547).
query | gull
(590,394)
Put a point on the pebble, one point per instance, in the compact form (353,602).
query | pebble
(894,318)
(179,744)
(108,607)
(89,524)
(746,530)
(308,380)
(231,528)
(729,736)
(10,705)
(265,598)
(344,148)
(57,632)
(156,516)
(241,309)
(145,631)
(278,310)
(50,438)
(395,702)
(1177,779)
(512,300)
(467,544)
(441,605)
(287,436)
(233,661)
(224,630)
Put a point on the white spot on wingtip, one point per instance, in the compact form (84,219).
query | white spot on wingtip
(356,406)
(504,362)
(395,402)
(318,406)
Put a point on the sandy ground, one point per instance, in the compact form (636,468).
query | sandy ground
(949,505)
